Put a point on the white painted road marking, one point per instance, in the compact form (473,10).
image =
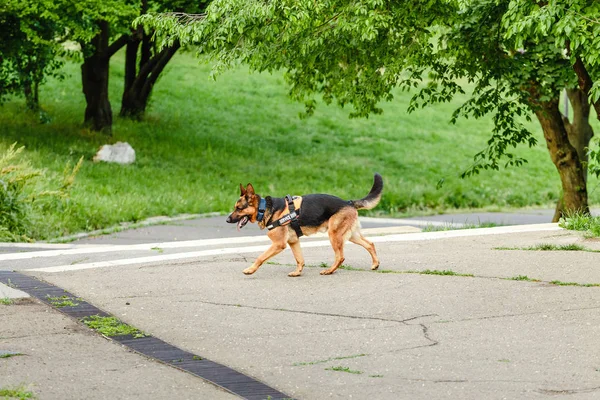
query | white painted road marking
(406,237)
(108,248)
(132,247)
(417,222)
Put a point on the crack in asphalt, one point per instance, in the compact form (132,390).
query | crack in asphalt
(405,321)
(521,314)
(402,321)
(427,336)
(467,380)
(558,392)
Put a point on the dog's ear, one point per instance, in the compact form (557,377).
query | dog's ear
(242,190)
(250,190)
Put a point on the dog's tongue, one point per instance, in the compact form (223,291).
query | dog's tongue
(242,222)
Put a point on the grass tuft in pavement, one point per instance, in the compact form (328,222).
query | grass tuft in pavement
(111,326)
(5,301)
(18,393)
(9,355)
(445,272)
(63,301)
(551,247)
(560,283)
(523,278)
(583,223)
(343,369)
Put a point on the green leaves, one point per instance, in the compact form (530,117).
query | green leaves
(350,52)
(512,52)
(594,159)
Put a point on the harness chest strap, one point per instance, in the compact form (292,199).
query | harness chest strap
(291,218)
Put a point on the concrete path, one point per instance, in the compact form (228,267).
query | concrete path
(58,358)
(453,314)
(212,226)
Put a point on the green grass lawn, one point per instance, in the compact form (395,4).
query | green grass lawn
(201,138)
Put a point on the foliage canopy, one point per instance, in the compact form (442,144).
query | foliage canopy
(510,52)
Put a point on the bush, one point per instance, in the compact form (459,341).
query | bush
(23,195)
(581,222)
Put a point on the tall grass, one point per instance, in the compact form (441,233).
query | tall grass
(27,207)
(201,138)
(582,222)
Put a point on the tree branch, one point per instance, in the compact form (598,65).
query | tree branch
(130,62)
(116,46)
(184,18)
(163,58)
(585,82)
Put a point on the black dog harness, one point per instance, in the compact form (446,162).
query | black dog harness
(291,218)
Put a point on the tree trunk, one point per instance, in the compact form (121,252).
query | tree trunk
(128,99)
(94,76)
(580,133)
(31,96)
(565,158)
(30,79)
(137,91)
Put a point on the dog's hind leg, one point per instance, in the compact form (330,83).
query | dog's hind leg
(360,240)
(340,229)
(297,251)
(337,243)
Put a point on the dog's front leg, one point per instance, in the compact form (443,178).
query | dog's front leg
(279,238)
(275,249)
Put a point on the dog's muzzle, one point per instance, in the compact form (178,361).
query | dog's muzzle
(241,222)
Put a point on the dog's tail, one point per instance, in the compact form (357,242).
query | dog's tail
(373,197)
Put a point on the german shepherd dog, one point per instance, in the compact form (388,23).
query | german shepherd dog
(315,213)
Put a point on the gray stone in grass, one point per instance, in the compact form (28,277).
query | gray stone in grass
(120,153)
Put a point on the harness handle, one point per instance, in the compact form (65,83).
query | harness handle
(291,218)
(294,215)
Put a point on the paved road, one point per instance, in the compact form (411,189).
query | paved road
(214,226)
(402,334)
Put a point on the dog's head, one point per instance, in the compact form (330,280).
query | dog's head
(246,208)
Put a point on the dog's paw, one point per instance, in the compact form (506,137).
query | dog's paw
(326,272)
(249,271)
(295,273)
(374,267)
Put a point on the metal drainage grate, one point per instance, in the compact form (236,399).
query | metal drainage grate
(220,375)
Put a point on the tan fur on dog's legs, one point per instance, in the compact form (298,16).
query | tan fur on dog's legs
(338,247)
(359,239)
(340,227)
(297,251)
(275,249)
(279,239)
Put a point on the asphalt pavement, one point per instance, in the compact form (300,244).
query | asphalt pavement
(452,314)
(191,227)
